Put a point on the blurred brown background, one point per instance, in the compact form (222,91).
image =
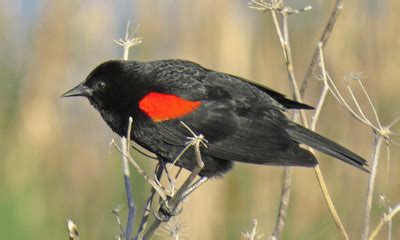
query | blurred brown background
(56,161)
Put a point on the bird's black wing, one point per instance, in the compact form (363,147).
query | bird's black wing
(223,84)
(243,121)
(281,98)
(226,117)
(236,138)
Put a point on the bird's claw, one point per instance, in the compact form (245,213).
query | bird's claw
(165,213)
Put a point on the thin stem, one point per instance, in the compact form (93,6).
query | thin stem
(149,154)
(386,218)
(131,208)
(128,42)
(278,29)
(323,40)
(147,210)
(324,92)
(317,169)
(194,186)
(73,233)
(388,161)
(390,229)
(253,233)
(319,174)
(329,202)
(378,140)
(148,179)
(370,104)
(394,122)
(171,205)
(287,174)
(116,212)
(343,102)
(297,96)
(358,106)
(125,143)
(284,203)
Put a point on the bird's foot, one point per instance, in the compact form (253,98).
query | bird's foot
(165,212)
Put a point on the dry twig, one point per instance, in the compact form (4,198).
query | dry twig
(253,234)
(275,7)
(116,212)
(147,209)
(73,233)
(173,229)
(129,41)
(323,40)
(169,208)
(381,134)
(159,189)
(317,169)
(387,218)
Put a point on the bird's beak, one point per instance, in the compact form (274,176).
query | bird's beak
(79,90)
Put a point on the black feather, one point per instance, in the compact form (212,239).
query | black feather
(320,143)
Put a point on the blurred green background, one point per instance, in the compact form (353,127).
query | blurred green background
(56,161)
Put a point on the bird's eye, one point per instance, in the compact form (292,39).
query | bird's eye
(100,85)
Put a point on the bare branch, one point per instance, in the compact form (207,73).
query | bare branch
(323,40)
(148,179)
(169,208)
(378,140)
(275,5)
(370,103)
(127,43)
(386,219)
(128,185)
(394,122)
(173,229)
(353,97)
(116,212)
(147,210)
(284,39)
(324,92)
(336,93)
(253,234)
(287,174)
(284,203)
(381,134)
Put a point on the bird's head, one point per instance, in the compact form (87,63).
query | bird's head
(108,86)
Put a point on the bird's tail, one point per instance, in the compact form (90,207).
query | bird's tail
(322,144)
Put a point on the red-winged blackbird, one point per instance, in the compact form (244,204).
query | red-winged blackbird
(242,121)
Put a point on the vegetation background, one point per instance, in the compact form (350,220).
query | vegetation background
(56,161)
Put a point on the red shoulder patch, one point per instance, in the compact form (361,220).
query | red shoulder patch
(161,107)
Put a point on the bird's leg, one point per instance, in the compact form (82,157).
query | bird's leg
(178,173)
(171,180)
(162,165)
(169,207)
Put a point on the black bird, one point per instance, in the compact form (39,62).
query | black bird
(242,121)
